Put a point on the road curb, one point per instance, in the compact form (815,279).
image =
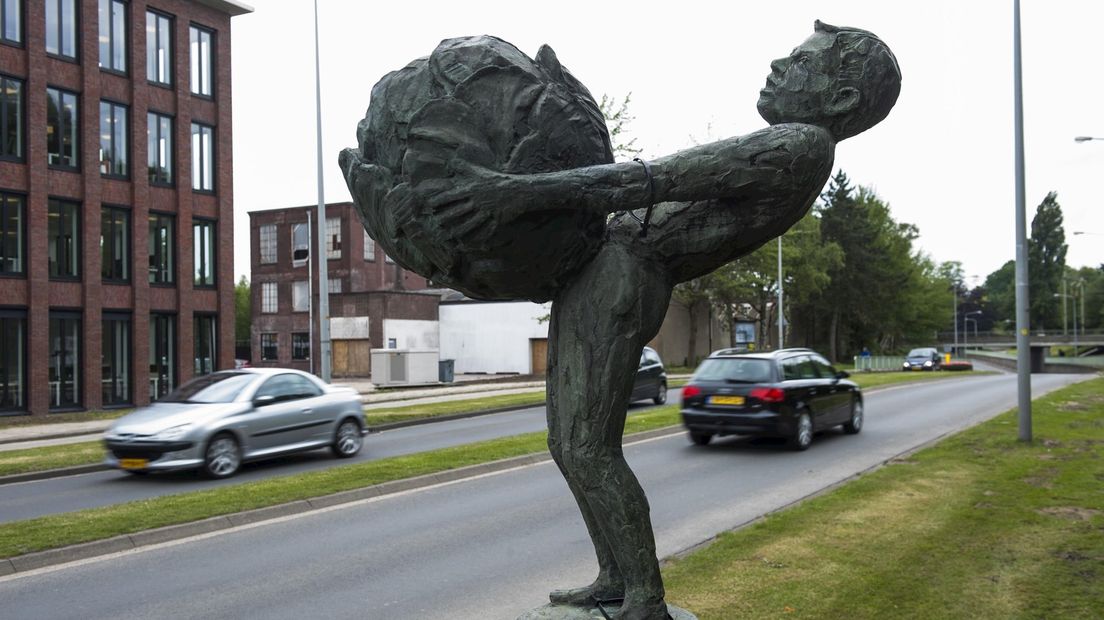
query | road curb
(52,473)
(127,542)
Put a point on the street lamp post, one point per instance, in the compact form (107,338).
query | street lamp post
(781,328)
(1023,324)
(1085,138)
(965,330)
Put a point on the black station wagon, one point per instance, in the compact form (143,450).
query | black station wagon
(791,393)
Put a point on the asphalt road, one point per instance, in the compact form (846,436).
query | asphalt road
(27,500)
(488,547)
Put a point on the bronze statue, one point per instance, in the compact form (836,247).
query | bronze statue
(492,173)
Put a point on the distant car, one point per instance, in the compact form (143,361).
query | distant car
(790,393)
(216,422)
(924,358)
(651,378)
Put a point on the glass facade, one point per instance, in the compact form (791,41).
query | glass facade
(13,360)
(113,139)
(64,376)
(204,329)
(158,48)
(162,355)
(116,355)
(161,249)
(203,158)
(61,28)
(201,60)
(159,143)
(63,237)
(62,127)
(115,244)
(203,244)
(12,234)
(113,35)
(11,118)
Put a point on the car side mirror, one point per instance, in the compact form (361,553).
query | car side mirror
(842,374)
(264,399)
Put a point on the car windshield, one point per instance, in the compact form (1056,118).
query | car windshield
(221,387)
(740,370)
(919,352)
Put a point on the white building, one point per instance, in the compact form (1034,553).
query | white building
(495,336)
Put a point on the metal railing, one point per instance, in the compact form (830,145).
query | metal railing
(878,363)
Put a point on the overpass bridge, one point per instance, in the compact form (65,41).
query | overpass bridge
(1086,342)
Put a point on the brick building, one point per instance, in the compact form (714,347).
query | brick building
(374,303)
(89,89)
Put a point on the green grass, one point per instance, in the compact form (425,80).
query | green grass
(868,380)
(431,410)
(54,531)
(978,526)
(50,457)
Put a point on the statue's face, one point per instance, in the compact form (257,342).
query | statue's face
(801,86)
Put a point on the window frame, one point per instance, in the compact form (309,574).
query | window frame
(22,205)
(22,375)
(21,122)
(211,60)
(261,244)
(171,254)
(297,346)
(168,369)
(77,381)
(197,156)
(115,106)
(128,248)
(128,320)
(304,285)
(198,318)
(333,241)
(20,27)
(75,131)
(76,28)
(170,165)
(212,253)
(369,248)
(265,288)
(275,337)
(76,216)
(111,42)
(155,79)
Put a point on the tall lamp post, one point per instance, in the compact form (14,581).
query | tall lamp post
(966,330)
(1023,325)
(323,255)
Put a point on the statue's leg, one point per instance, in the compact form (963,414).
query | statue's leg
(600,323)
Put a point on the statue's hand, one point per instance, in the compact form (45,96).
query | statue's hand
(368,182)
(470,198)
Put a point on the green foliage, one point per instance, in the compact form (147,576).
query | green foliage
(1046,264)
(1001,288)
(617,120)
(243,313)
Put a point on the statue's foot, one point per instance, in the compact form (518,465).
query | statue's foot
(587,596)
(651,610)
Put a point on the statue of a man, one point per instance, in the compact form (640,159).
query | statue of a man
(493,157)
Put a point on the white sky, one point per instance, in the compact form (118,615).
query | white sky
(943,159)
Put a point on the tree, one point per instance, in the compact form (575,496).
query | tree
(243,312)
(1001,289)
(617,121)
(694,295)
(1046,263)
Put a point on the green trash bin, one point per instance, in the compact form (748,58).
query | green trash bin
(444,370)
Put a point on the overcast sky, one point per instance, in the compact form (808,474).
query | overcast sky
(943,159)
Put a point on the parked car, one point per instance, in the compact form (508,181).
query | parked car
(216,422)
(924,358)
(791,393)
(651,378)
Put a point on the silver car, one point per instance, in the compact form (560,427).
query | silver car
(219,421)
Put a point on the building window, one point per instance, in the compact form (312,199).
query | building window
(63,237)
(113,139)
(300,296)
(268,297)
(64,376)
(13,359)
(203,245)
(113,39)
(161,249)
(61,28)
(369,247)
(11,118)
(300,244)
(201,61)
(162,355)
(160,151)
(62,126)
(387,259)
(333,237)
(268,244)
(11,22)
(334,285)
(11,234)
(203,158)
(115,244)
(268,347)
(300,346)
(158,48)
(115,377)
(205,344)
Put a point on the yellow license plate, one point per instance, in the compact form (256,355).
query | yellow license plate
(726,400)
(918,368)
(133,463)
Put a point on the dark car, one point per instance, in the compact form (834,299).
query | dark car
(924,358)
(790,393)
(651,378)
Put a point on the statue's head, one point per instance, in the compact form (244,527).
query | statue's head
(843,79)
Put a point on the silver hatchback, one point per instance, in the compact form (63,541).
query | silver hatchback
(219,421)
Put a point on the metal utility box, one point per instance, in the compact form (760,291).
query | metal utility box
(394,367)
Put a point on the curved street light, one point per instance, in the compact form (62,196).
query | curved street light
(1085,138)
(965,331)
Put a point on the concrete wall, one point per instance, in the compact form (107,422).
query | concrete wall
(411,334)
(491,337)
(673,341)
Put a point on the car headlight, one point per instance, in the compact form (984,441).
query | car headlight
(927,364)
(172,434)
(906,364)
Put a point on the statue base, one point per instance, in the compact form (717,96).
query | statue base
(573,612)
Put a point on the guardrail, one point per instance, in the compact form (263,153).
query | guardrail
(878,363)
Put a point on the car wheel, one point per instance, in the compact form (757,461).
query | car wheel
(855,424)
(700,439)
(347,439)
(803,432)
(661,395)
(222,458)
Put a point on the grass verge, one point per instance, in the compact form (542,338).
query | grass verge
(978,526)
(54,531)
